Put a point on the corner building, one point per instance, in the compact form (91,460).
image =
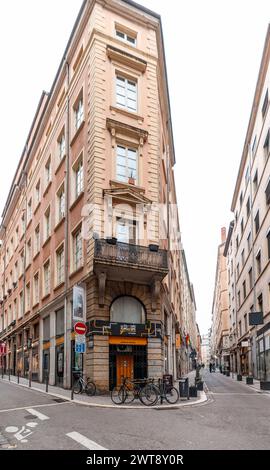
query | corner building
(83,211)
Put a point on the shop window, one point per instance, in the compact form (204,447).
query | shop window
(127,309)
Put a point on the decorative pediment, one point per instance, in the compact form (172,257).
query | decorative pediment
(126,58)
(125,129)
(129,194)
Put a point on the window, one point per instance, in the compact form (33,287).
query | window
(255,181)
(48,172)
(37,240)
(23,226)
(61,202)
(27,297)
(259,263)
(78,177)
(240,328)
(60,265)
(253,150)
(126,93)
(60,322)
(237,241)
(265,104)
(36,288)
(78,112)
(249,242)
(22,263)
(16,272)
(243,257)
(17,236)
(37,193)
(260,303)
(241,199)
(21,307)
(15,313)
(267,193)
(62,145)
(242,227)
(248,207)
(247,176)
(237,269)
(266,144)
(130,38)
(128,310)
(244,289)
(268,243)
(239,298)
(250,276)
(46,277)
(126,230)
(77,249)
(126,164)
(257,222)
(29,211)
(47,224)
(28,253)
(245,320)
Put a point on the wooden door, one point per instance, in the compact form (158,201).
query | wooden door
(124,367)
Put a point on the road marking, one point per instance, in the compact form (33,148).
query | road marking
(34,406)
(36,413)
(233,393)
(84,441)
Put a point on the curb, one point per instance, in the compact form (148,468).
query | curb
(203,398)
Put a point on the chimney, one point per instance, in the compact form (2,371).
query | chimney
(223,234)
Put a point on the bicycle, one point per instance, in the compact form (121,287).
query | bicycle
(131,390)
(80,385)
(164,390)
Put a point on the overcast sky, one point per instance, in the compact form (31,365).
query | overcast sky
(213,51)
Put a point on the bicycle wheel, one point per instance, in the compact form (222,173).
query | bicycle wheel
(149,395)
(90,389)
(172,395)
(118,395)
(130,394)
(77,387)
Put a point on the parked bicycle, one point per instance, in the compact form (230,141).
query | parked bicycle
(164,390)
(131,390)
(80,385)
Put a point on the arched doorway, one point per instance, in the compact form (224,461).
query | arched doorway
(128,349)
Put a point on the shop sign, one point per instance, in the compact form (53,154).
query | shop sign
(78,313)
(255,318)
(2,348)
(244,344)
(101,327)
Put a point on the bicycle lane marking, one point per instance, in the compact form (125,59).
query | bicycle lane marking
(84,441)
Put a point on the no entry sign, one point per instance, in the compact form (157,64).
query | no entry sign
(80,328)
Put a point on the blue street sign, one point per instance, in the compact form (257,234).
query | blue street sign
(80,347)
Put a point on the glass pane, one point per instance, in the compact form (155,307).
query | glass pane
(121,150)
(128,310)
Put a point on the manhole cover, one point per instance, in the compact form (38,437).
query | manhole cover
(59,400)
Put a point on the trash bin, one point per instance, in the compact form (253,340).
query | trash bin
(168,380)
(184,387)
(193,391)
(199,385)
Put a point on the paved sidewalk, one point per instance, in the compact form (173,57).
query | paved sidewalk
(255,386)
(104,401)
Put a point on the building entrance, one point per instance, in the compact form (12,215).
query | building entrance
(127,360)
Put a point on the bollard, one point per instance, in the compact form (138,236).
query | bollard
(30,379)
(9,374)
(18,376)
(2,372)
(47,382)
(72,393)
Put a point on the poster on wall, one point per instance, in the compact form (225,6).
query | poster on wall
(78,313)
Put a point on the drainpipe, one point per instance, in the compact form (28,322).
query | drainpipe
(24,182)
(253,258)
(67,186)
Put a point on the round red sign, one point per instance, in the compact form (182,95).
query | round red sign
(80,328)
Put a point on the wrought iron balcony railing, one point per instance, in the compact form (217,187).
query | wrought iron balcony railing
(129,254)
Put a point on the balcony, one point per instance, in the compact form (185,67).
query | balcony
(127,262)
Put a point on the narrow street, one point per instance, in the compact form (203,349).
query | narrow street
(234,417)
